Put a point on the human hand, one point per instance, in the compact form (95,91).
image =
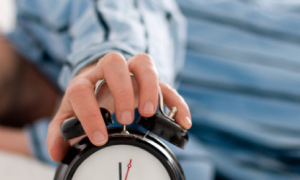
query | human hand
(79,99)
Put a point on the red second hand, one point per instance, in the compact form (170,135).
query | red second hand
(129,166)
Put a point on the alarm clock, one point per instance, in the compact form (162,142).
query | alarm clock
(129,154)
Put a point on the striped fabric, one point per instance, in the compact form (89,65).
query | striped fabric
(62,37)
(242,83)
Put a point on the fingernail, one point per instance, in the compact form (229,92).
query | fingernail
(98,138)
(126,117)
(188,121)
(50,152)
(148,108)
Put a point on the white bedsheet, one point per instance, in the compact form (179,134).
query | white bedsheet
(16,167)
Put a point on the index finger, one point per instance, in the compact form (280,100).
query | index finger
(79,98)
(85,106)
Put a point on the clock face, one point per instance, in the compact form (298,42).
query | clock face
(121,162)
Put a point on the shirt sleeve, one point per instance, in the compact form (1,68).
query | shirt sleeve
(128,27)
(36,135)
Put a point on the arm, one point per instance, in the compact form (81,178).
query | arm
(14,140)
(122,43)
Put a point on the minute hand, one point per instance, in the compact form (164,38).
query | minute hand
(128,168)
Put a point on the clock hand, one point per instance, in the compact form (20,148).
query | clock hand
(128,166)
(120,171)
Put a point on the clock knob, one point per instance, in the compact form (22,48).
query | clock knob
(72,128)
(166,128)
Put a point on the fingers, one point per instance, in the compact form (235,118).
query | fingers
(119,82)
(84,104)
(57,147)
(80,100)
(114,69)
(173,99)
(146,76)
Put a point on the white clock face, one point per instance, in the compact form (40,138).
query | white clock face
(121,162)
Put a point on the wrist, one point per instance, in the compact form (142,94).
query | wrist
(14,140)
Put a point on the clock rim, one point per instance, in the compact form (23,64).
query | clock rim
(84,148)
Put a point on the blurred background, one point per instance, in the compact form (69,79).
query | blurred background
(13,166)
(241,79)
(7,18)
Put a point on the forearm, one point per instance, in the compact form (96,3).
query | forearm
(14,140)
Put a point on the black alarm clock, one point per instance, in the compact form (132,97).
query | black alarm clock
(129,154)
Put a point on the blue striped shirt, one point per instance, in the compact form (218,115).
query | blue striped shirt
(62,37)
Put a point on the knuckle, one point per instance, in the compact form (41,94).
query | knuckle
(125,94)
(91,117)
(169,88)
(50,127)
(183,103)
(151,72)
(173,91)
(112,59)
(124,98)
(113,55)
(181,100)
(51,130)
(144,57)
(149,86)
(154,87)
(77,88)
